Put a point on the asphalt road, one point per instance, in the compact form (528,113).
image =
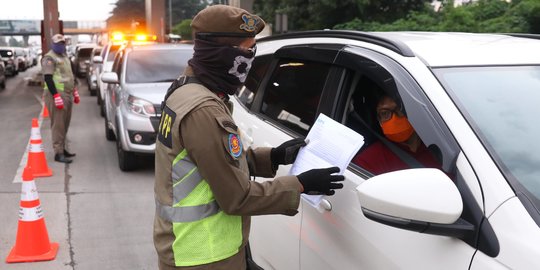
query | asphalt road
(101,217)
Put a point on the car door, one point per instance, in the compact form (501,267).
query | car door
(279,102)
(339,236)
(112,99)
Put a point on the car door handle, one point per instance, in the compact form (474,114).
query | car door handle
(326,205)
(246,138)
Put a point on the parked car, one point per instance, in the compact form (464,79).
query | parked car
(140,77)
(7,54)
(81,59)
(2,75)
(20,59)
(29,61)
(93,69)
(106,60)
(472,99)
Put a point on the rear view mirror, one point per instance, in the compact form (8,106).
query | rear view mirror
(97,59)
(109,77)
(422,200)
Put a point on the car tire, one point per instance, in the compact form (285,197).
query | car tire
(102,108)
(98,97)
(109,133)
(3,84)
(127,161)
(92,92)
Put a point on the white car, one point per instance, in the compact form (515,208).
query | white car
(106,60)
(137,83)
(474,101)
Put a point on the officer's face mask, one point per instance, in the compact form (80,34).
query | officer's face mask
(221,67)
(397,128)
(59,48)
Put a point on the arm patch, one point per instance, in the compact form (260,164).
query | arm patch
(165,126)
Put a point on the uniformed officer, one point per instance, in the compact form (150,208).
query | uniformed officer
(60,92)
(204,196)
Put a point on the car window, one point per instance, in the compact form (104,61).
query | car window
(293,93)
(117,64)
(253,80)
(6,53)
(112,52)
(84,52)
(148,66)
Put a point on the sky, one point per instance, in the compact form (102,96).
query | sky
(70,10)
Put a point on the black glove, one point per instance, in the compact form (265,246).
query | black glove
(321,181)
(286,153)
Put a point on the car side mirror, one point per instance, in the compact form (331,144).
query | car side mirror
(97,59)
(109,77)
(422,200)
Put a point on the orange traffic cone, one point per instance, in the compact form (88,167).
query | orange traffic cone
(45,113)
(32,243)
(36,155)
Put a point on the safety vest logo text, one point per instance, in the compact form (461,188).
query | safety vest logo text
(165,127)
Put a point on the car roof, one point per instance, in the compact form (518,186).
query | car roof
(467,49)
(160,46)
(435,49)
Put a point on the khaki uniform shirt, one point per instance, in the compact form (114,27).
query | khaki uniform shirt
(203,132)
(48,66)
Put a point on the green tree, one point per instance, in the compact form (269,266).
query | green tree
(13,42)
(321,14)
(183,29)
(127,15)
(185,9)
(529,11)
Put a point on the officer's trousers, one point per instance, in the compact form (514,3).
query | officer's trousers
(60,120)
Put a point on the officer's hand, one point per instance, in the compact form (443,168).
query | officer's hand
(321,181)
(286,153)
(58,102)
(76,97)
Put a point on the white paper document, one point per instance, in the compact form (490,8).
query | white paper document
(329,144)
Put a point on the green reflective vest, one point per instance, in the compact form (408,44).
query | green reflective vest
(62,76)
(203,232)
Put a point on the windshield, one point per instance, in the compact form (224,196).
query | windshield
(502,105)
(6,53)
(147,66)
(85,52)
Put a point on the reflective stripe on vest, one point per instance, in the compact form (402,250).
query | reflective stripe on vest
(185,178)
(203,233)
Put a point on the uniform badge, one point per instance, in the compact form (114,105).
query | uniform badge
(235,146)
(250,23)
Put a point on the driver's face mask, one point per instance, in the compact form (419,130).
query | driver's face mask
(395,125)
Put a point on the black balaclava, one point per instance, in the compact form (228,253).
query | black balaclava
(221,68)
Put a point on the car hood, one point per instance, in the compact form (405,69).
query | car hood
(153,92)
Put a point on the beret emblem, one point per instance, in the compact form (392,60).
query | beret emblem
(250,23)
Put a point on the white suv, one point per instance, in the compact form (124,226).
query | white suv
(474,101)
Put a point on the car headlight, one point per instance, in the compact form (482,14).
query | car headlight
(140,106)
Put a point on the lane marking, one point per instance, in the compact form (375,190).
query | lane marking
(18,175)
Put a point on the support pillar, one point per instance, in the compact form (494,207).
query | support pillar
(155,18)
(51,25)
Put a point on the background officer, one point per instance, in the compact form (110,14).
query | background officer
(60,92)
(204,196)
